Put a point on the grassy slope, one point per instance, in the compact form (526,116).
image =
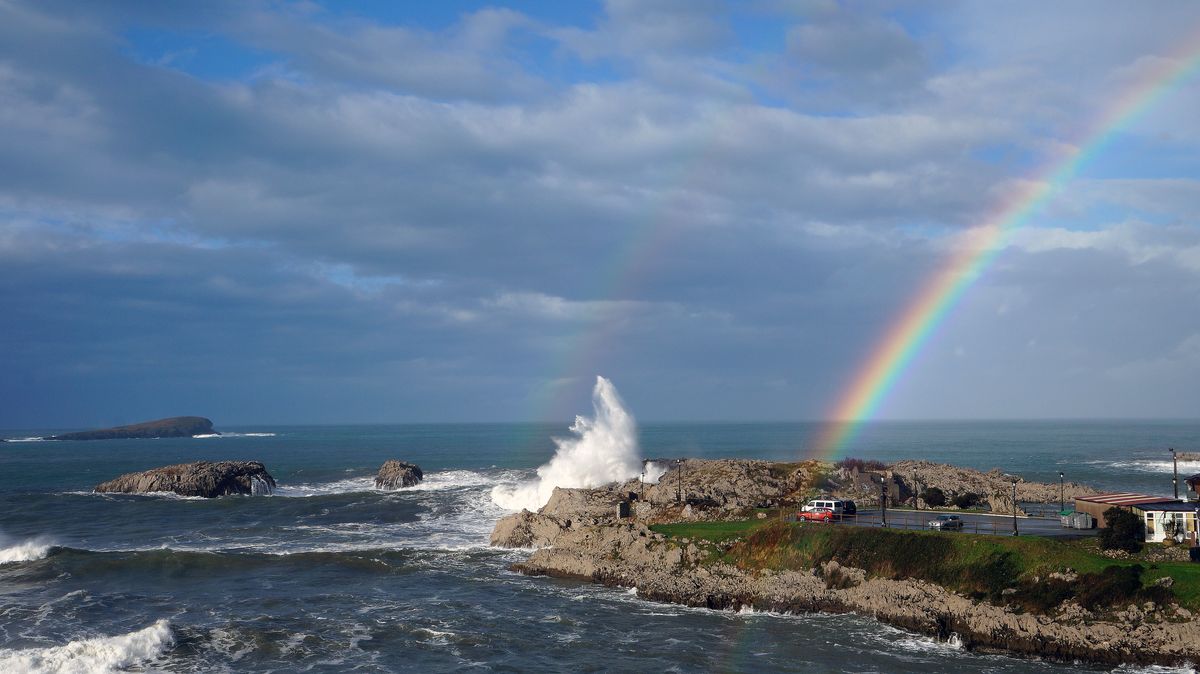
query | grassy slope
(976,565)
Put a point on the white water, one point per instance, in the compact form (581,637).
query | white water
(603,450)
(23,551)
(91,656)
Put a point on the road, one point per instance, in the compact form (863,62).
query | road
(973,523)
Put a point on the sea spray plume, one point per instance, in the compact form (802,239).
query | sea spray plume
(85,656)
(12,550)
(603,450)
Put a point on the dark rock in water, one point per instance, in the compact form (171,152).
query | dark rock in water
(395,474)
(175,427)
(196,479)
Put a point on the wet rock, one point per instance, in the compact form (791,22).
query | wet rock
(202,478)
(395,474)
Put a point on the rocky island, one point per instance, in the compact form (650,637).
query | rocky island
(712,534)
(205,479)
(174,427)
(395,474)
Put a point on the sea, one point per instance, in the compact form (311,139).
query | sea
(329,574)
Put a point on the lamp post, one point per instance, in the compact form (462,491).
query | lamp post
(1174,471)
(1014,507)
(1062,494)
(883,501)
(642,487)
(678,480)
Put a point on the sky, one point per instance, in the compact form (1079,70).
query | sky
(297,212)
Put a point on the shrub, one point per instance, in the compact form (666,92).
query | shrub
(863,465)
(1123,531)
(934,497)
(966,500)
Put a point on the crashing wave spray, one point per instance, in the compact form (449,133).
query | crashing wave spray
(12,550)
(603,450)
(98,654)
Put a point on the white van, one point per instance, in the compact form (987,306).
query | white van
(836,505)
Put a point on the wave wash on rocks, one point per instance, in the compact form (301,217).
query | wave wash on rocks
(604,450)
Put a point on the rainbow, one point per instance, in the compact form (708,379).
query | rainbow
(893,354)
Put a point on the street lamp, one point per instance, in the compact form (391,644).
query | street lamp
(1014,507)
(883,501)
(678,480)
(1062,494)
(1174,471)
(642,488)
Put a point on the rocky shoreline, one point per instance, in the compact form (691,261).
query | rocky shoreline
(580,534)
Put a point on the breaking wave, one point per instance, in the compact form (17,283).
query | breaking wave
(230,434)
(94,655)
(23,551)
(604,450)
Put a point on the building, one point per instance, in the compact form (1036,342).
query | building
(1193,483)
(1096,504)
(1172,518)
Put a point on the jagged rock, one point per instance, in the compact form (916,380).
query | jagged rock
(202,478)
(174,427)
(395,474)
(993,486)
(567,503)
(528,530)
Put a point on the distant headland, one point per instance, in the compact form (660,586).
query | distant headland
(173,427)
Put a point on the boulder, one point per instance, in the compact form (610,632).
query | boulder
(395,474)
(202,478)
(527,530)
(174,427)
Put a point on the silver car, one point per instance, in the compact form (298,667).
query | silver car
(946,523)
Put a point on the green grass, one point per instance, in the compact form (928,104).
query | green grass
(980,566)
(715,532)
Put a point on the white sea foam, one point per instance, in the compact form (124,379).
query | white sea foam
(231,434)
(23,551)
(603,450)
(1149,465)
(30,439)
(93,655)
(446,479)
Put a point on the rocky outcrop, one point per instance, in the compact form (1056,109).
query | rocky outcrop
(579,535)
(203,479)
(628,554)
(174,427)
(395,474)
(994,486)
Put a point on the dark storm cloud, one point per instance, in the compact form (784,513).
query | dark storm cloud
(387,222)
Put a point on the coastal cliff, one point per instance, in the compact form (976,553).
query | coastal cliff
(173,427)
(988,593)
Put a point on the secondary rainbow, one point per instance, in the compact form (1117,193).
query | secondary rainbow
(906,335)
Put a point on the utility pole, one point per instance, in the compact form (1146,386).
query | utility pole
(1174,471)
(1062,494)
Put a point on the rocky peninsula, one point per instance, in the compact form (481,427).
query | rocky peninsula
(705,535)
(173,427)
(204,479)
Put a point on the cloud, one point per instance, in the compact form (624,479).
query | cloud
(403,219)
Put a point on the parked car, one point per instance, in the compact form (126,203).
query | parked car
(815,515)
(848,508)
(946,523)
(837,506)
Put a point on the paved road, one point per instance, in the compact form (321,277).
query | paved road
(972,523)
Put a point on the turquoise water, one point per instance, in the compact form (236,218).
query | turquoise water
(329,574)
